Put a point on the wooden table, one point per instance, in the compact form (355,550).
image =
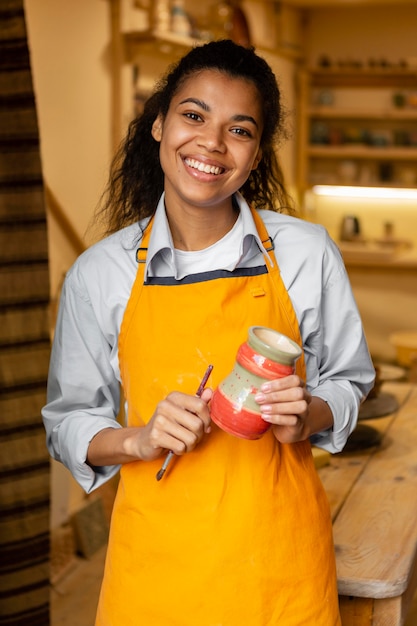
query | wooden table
(373,500)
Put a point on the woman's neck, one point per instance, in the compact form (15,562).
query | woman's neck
(200,229)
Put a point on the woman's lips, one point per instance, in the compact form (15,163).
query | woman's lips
(204,167)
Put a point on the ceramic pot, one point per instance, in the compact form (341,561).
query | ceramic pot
(266,355)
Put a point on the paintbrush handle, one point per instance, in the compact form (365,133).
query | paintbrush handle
(198,393)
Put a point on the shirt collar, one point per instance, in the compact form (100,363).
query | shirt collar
(161,244)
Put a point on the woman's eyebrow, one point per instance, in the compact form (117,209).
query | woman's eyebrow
(236,118)
(198,102)
(245,118)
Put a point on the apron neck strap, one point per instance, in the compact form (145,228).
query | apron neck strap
(264,236)
(143,250)
(260,227)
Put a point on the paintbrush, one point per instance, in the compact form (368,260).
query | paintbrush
(198,394)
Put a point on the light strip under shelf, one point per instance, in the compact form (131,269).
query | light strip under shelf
(340,191)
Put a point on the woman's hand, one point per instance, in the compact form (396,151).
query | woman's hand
(178,424)
(291,409)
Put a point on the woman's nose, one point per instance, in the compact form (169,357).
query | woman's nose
(212,139)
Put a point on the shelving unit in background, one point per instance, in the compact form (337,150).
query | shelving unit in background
(139,41)
(352,132)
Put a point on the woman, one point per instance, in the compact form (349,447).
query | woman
(237,532)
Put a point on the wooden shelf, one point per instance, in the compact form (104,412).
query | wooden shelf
(396,115)
(166,43)
(362,152)
(360,78)
(159,43)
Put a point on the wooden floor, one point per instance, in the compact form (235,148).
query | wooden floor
(74,596)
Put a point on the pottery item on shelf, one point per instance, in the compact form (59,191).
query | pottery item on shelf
(320,133)
(180,20)
(399,99)
(325,97)
(161,16)
(408,176)
(386,171)
(266,355)
(351,229)
(229,22)
(348,172)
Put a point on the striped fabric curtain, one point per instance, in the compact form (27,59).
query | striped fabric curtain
(24,338)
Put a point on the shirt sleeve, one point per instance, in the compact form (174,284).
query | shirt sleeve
(83,394)
(339,366)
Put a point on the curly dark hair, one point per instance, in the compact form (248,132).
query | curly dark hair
(136,179)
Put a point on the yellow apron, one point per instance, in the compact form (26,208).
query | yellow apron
(238,532)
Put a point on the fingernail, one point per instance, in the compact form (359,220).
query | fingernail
(266,387)
(259,397)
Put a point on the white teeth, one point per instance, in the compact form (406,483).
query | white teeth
(201,167)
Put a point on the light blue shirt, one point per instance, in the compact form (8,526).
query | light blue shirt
(84,377)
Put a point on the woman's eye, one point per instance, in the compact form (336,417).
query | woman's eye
(192,116)
(242,131)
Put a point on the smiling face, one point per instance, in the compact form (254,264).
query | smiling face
(209,140)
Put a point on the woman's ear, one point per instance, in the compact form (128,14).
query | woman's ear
(257,159)
(157,128)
